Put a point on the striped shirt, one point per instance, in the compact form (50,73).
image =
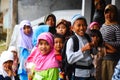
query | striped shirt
(111,34)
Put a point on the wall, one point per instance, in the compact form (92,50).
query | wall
(34,9)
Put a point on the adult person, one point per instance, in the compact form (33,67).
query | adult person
(111,34)
(99,11)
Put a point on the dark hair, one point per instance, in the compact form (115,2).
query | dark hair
(98,34)
(82,18)
(56,35)
(67,25)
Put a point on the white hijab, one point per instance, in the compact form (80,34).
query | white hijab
(5,56)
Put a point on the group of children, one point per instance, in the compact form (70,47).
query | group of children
(40,51)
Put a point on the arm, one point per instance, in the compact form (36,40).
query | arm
(109,48)
(117,37)
(72,56)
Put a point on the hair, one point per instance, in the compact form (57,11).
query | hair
(59,36)
(98,34)
(82,18)
(111,7)
(67,25)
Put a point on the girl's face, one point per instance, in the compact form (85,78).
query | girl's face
(61,29)
(96,27)
(109,16)
(14,54)
(58,44)
(44,47)
(95,40)
(79,27)
(27,30)
(8,65)
(50,22)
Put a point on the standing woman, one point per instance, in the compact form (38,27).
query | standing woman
(25,47)
(111,34)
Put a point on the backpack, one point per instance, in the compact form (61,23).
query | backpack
(67,68)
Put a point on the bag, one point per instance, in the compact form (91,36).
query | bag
(67,68)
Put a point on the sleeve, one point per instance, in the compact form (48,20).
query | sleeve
(117,36)
(72,56)
(116,74)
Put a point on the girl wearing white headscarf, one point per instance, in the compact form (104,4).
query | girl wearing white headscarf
(6,62)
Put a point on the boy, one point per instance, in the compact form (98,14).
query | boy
(81,58)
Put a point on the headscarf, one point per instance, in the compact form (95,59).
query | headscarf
(50,15)
(5,56)
(25,41)
(46,61)
(40,29)
(12,48)
(94,23)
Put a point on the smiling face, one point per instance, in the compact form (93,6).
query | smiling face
(79,27)
(44,47)
(8,65)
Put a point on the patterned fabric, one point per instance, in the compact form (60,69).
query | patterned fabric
(116,75)
(43,62)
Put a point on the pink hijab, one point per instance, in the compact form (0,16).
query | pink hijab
(43,62)
(94,23)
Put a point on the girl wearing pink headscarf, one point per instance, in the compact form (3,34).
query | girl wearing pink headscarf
(43,58)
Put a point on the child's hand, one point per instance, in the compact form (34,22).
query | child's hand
(86,47)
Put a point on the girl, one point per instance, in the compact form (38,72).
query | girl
(43,57)
(93,25)
(13,49)
(50,20)
(101,48)
(63,28)
(6,62)
(25,47)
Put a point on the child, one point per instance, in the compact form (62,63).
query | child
(50,20)
(25,47)
(13,49)
(43,57)
(6,62)
(58,45)
(101,49)
(82,58)
(93,25)
(63,28)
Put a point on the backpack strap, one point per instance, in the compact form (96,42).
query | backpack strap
(75,43)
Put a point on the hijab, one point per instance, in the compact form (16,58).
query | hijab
(40,29)
(3,59)
(46,61)
(25,41)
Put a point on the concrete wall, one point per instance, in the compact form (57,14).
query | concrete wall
(33,9)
